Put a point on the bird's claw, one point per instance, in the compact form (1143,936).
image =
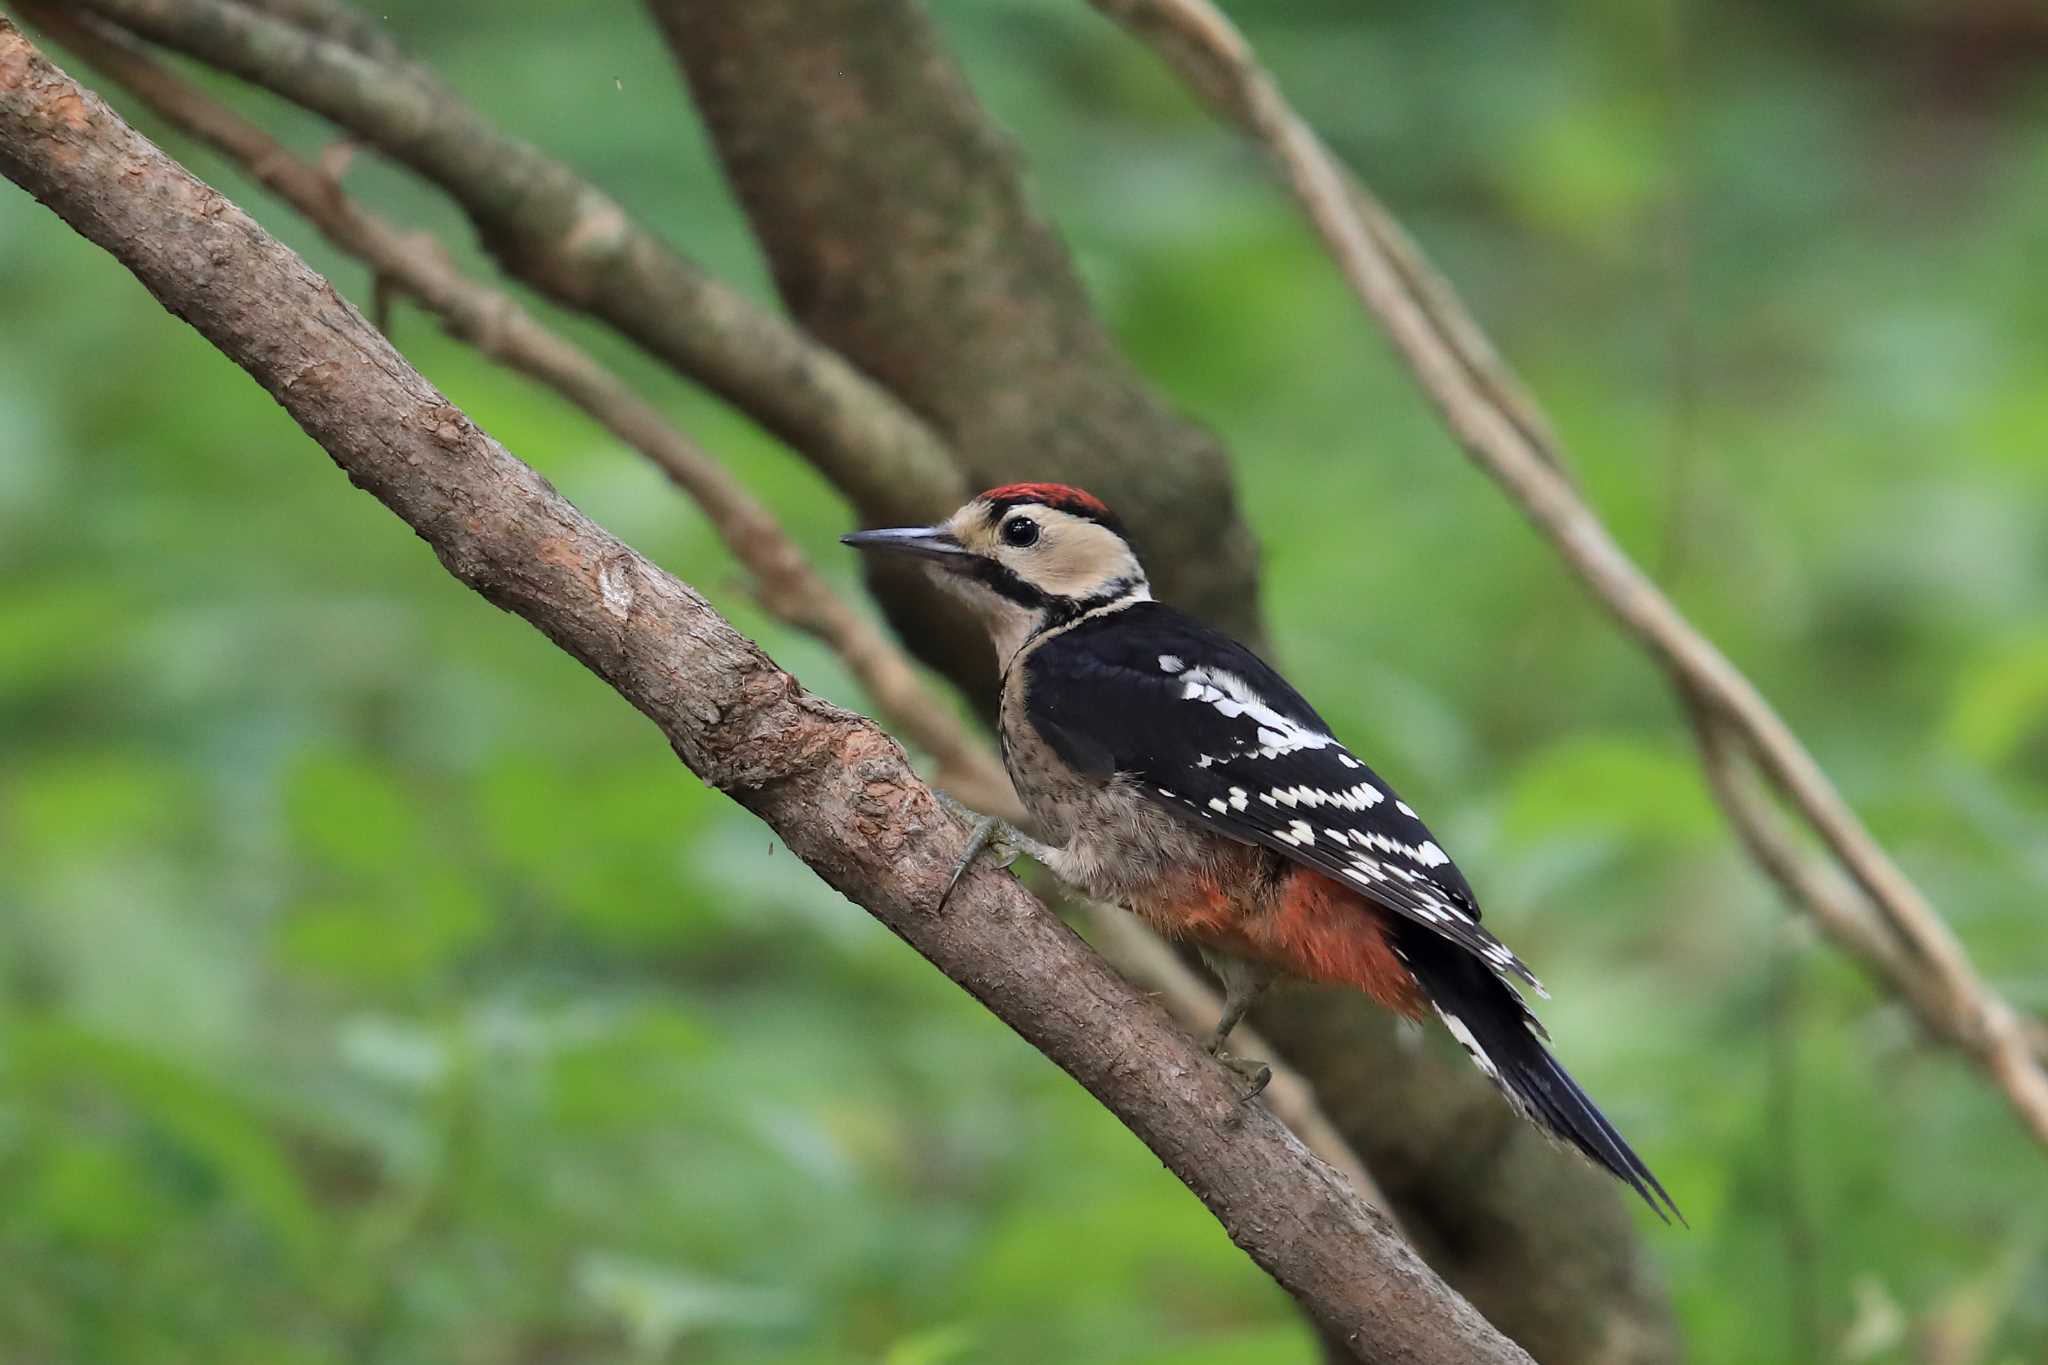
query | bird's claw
(986,831)
(1255,1074)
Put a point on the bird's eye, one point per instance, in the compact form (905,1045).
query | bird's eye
(1020,531)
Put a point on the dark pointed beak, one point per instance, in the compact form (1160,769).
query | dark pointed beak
(927,542)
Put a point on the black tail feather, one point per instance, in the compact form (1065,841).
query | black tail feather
(1490,1021)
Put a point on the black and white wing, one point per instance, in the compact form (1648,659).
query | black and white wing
(1208,729)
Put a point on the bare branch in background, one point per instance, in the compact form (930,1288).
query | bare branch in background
(1922,962)
(785,581)
(832,785)
(337,20)
(559,233)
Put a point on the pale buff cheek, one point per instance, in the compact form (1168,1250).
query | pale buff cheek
(1074,561)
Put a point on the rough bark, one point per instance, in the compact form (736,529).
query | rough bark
(832,785)
(895,221)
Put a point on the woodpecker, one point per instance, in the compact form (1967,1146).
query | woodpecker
(1171,771)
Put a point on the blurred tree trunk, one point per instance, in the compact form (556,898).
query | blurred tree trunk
(895,222)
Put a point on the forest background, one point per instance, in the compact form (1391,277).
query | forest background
(374,986)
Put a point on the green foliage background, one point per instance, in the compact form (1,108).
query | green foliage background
(375,986)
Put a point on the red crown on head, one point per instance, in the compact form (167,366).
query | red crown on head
(1061,497)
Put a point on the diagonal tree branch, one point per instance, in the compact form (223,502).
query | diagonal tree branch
(785,581)
(1926,964)
(560,234)
(1535,1237)
(832,785)
(1533,1248)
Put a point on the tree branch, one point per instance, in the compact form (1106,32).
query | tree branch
(334,19)
(832,785)
(563,236)
(1926,965)
(785,581)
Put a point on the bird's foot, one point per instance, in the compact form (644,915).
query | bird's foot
(990,833)
(1257,1075)
(987,830)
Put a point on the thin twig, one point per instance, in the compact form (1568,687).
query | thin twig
(787,584)
(1495,428)
(832,785)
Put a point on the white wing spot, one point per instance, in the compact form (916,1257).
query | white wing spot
(1232,696)
(1469,1043)
(1302,833)
(1429,855)
(1406,809)
(1171,663)
(1348,761)
(1218,804)
(1239,798)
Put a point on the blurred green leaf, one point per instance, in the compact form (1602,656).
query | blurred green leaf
(631,1069)
(91,1189)
(416,949)
(1612,787)
(90,802)
(401,935)
(1279,1345)
(2001,703)
(205,1121)
(50,632)
(354,814)
(658,1304)
(938,1346)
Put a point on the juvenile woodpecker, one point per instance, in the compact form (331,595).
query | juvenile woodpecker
(1169,770)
